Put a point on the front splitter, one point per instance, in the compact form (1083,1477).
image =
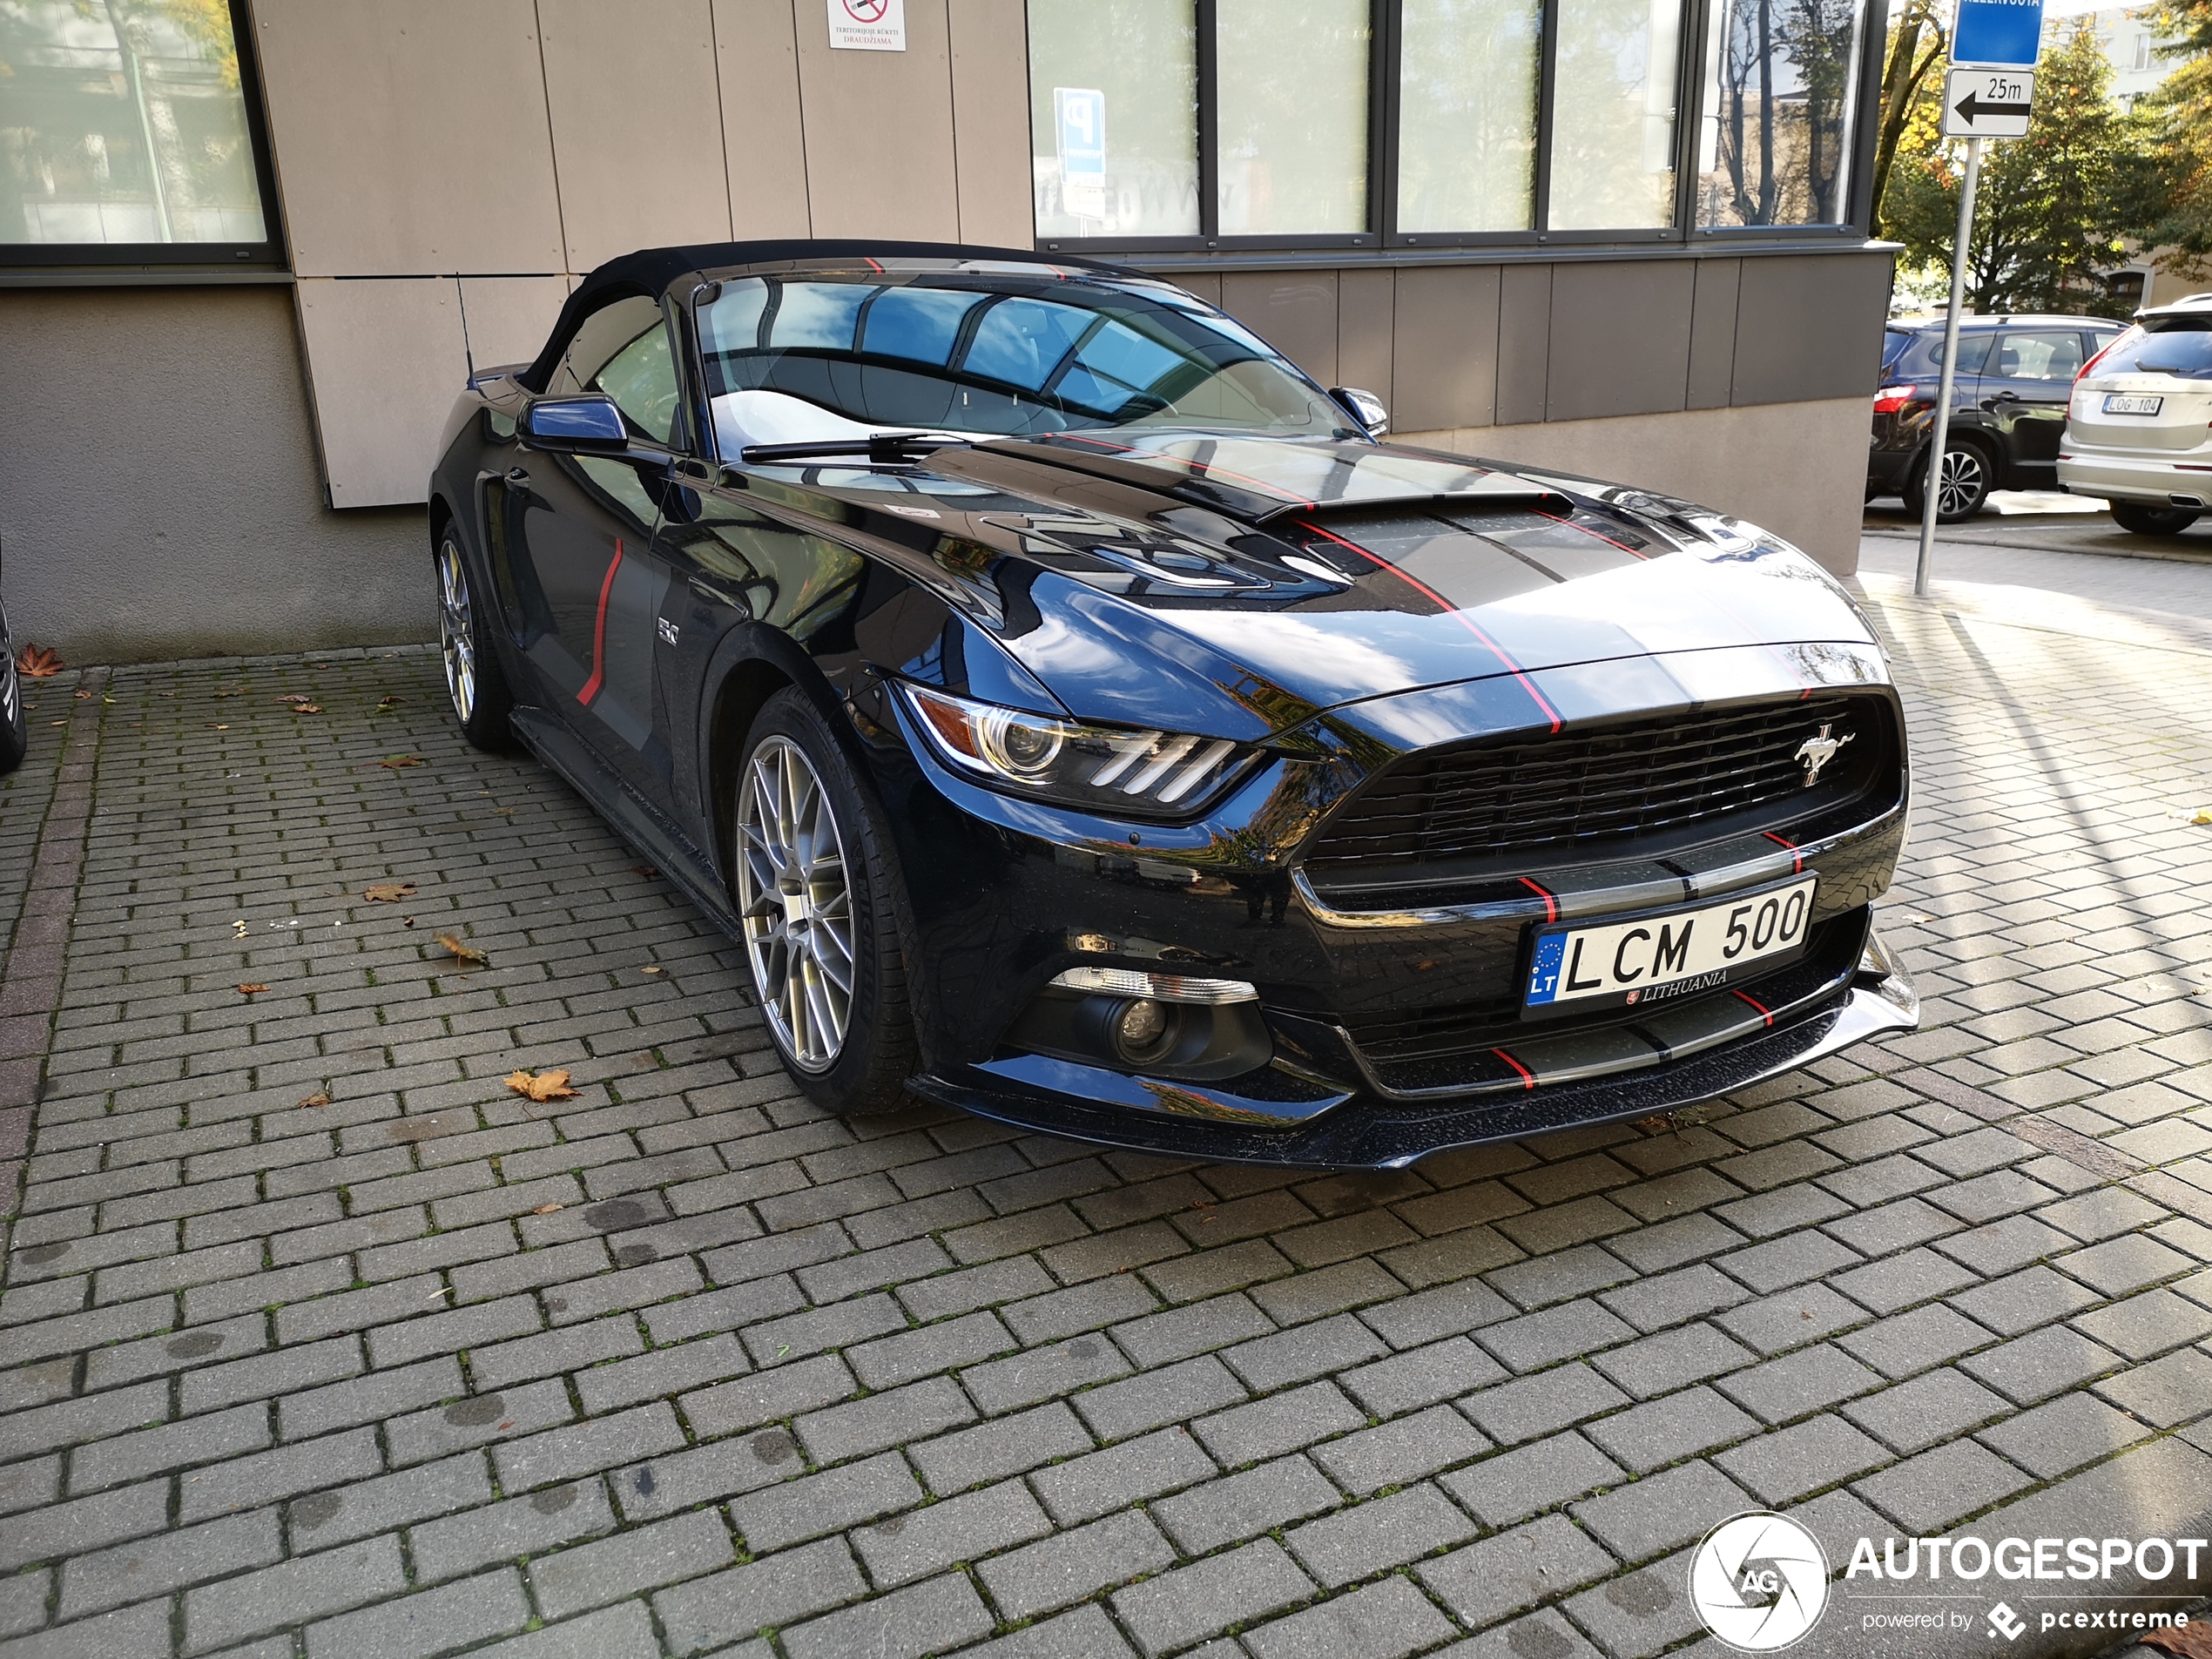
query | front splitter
(1367,1133)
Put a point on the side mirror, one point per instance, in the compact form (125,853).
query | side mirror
(591,424)
(1365,407)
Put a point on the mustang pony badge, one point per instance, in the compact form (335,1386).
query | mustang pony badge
(1816,751)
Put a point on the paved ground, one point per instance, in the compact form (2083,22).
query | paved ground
(2047,521)
(319,1341)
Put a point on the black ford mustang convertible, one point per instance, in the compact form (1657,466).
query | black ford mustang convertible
(1081,717)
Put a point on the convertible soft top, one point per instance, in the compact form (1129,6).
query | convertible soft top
(649,270)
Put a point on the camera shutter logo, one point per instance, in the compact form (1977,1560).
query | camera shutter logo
(1759,1581)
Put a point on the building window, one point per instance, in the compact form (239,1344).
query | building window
(1781,79)
(2143,52)
(1169,124)
(129,133)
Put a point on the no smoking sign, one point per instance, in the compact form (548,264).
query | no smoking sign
(868,25)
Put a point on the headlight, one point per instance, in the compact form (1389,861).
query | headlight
(1099,767)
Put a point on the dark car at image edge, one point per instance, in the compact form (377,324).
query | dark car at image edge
(1080,717)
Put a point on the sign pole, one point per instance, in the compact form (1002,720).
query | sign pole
(1933,490)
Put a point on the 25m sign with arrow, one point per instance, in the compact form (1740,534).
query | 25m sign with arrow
(1987,104)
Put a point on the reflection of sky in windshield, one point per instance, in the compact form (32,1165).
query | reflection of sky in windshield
(1008,353)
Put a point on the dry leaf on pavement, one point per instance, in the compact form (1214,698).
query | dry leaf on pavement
(316,1099)
(652,970)
(389,701)
(397,761)
(2190,1640)
(38,663)
(253,990)
(465,953)
(547,1209)
(540,1086)
(389,892)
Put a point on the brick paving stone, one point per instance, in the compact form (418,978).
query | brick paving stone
(911,1546)
(1513,1485)
(1085,1633)
(765,1595)
(1179,1607)
(1934,1407)
(1499,1575)
(1382,1533)
(1660,1511)
(1385,1620)
(1243,1505)
(426,1622)
(1084,1487)
(587,1575)
(1074,1563)
(906,1624)
(824,1503)
(291,1593)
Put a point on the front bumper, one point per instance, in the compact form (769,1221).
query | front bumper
(1364,1131)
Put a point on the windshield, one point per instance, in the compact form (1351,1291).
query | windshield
(2181,345)
(832,355)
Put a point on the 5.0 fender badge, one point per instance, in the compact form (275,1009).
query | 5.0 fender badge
(1816,751)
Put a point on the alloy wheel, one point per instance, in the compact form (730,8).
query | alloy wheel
(1959,488)
(796,903)
(456,636)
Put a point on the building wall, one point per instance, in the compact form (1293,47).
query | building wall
(159,495)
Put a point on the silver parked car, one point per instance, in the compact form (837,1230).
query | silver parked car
(2139,426)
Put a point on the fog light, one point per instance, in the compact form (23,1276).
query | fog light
(1141,1029)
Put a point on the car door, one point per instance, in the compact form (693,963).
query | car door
(580,529)
(2024,386)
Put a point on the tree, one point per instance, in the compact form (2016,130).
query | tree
(2055,209)
(2180,114)
(1916,45)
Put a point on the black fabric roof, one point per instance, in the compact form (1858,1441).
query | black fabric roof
(649,272)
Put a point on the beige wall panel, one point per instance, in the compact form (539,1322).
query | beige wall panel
(1296,314)
(217,543)
(385,359)
(410,136)
(637,125)
(1366,310)
(1620,338)
(1444,355)
(1797,468)
(1712,333)
(756,49)
(508,318)
(990,46)
(1206,286)
(879,130)
(1524,343)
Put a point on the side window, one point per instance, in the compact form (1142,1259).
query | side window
(622,350)
(2039,354)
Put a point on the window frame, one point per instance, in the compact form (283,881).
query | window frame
(265,256)
(1381,237)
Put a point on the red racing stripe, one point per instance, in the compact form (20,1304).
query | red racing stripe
(1797,858)
(599,630)
(1599,535)
(1551,905)
(1456,614)
(1527,1077)
(1763,1013)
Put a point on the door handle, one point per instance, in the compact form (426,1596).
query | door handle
(517,476)
(2007,397)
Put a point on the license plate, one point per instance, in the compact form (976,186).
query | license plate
(1671,954)
(2127,403)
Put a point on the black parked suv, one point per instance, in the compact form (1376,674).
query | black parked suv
(2007,406)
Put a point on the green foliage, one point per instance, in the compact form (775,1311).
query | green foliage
(2055,209)
(2180,114)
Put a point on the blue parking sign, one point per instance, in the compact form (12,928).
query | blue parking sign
(1997,34)
(1080,114)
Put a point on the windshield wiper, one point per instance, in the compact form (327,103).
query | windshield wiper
(877,446)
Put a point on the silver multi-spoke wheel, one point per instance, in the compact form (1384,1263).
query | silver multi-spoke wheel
(796,902)
(456,636)
(1959,488)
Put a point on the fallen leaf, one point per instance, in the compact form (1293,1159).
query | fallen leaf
(83,697)
(1655,1124)
(502,811)
(410,922)
(38,663)
(396,761)
(646,870)
(316,1099)
(652,970)
(466,952)
(540,1087)
(389,701)
(253,990)
(2191,1641)
(212,728)
(547,1209)
(389,892)
(306,708)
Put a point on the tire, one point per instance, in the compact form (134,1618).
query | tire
(819,898)
(14,735)
(1968,477)
(2141,519)
(474,681)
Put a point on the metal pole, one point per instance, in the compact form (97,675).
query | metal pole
(1932,488)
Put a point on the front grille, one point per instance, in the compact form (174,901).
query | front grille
(1628,788)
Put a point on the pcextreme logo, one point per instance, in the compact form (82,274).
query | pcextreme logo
(1759,1581)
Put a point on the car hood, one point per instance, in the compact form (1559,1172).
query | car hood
(1237,587)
